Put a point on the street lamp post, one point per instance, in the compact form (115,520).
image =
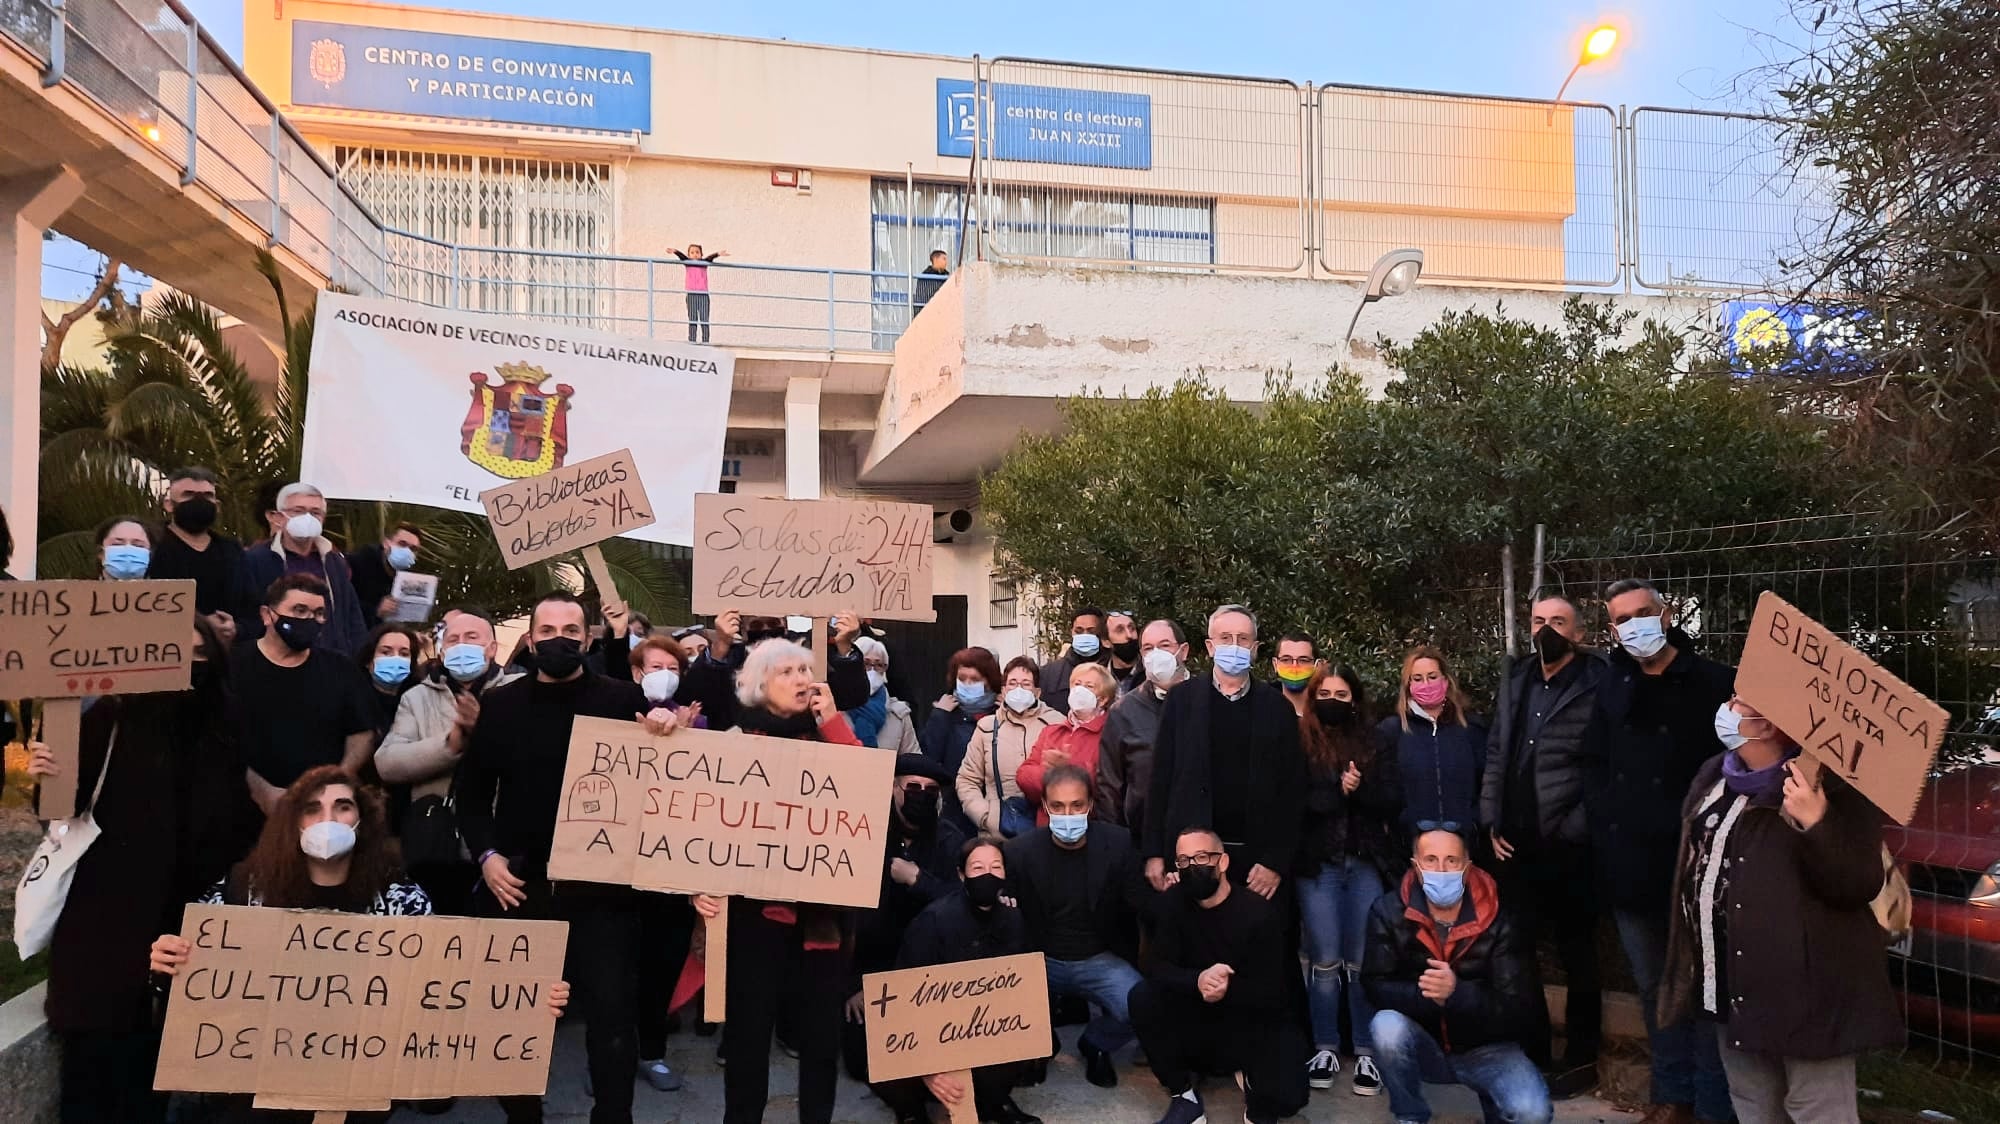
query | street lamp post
(1596,45)
(1393,274)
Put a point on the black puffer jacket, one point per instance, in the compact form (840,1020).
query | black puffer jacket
(1566,758)
(1497,984)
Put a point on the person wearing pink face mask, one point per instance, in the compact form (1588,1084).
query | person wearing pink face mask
(1440,745)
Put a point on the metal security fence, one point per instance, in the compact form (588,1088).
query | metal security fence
(1714,205)
(1494,190)
(1926,603)
(1089,166)
(1125,167)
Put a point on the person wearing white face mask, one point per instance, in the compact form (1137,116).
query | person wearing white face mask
(374,568)
(297,546)
(894,728)
(986,783)
(1654,709)
(1074,741)
(1125,754)
(433,723)
(325,846)
(124,548)
(1228,758)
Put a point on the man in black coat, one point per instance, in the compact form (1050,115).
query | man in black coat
(1656,710)
(1454,988)
(1088,643)
(1227,757)
(1216,996)
(1542,756)
(1079,889)
(969,923)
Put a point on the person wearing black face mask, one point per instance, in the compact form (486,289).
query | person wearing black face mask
(1215,998)
(919,866)
(973,925)
(297,705)
(1349,845)
(1122,641)
(1546,745)
(188,548)
(509,790)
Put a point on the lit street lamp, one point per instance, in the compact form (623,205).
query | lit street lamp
(1596,45)
(1394,274)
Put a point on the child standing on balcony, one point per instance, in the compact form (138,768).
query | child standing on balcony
(697,289)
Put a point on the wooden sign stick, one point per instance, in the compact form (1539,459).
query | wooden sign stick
(817,643)
(330,1116)
(61,722)
(600,575)
(715,966)
(965,1111)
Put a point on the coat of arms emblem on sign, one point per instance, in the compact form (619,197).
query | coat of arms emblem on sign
(516,429)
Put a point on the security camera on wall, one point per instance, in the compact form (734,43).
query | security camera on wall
(947,525)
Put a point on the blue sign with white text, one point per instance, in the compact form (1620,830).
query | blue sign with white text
(1767,337)
(1047,124)
(347,66)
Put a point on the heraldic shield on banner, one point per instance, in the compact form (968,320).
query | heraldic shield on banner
(516,430)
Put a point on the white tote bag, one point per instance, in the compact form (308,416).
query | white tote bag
(38,902)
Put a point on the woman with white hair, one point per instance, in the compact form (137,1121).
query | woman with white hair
(883,722)
(790,955)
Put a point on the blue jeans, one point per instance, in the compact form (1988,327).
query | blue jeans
(1687,1057)
(1106,981)
(1333,909)
(1510,1088)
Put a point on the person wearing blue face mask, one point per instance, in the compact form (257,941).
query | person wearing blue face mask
(124,547)
(375,566)
(1654,710)
(1227,757)
(1089,642)
(1775,941)
(975,692)
(421,752)
(1450,975)
(1079,888)
(388,657)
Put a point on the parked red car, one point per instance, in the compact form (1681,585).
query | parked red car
(1948,967)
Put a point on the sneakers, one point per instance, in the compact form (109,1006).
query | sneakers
(660,1075)
(1367,1079)
(1097,1067)
(1322,1069)
(1185,1109)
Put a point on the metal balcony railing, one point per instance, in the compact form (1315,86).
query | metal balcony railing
(1234,175)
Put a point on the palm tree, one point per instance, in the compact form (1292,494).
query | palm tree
(175,393)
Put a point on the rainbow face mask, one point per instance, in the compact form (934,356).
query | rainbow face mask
(1294,678)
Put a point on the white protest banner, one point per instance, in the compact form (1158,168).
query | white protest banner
(321,1007)
(1878,732)
(812,558)
(469,400)
(723,813)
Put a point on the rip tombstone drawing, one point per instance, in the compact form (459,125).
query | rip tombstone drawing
(592,799)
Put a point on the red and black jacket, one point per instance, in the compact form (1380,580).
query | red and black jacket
(1496,976)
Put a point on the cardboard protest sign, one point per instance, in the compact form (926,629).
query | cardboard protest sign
(812,558)
(956,1016)
(415,596)
(1872,728)
(68,639)
(319,1007)
(715,813)
(561,510)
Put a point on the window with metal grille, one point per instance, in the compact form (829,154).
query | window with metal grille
(525,230)
(1028,222)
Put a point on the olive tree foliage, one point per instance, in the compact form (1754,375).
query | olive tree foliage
(1372,523)
(1894,101)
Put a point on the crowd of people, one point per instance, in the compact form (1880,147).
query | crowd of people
(1276,878)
